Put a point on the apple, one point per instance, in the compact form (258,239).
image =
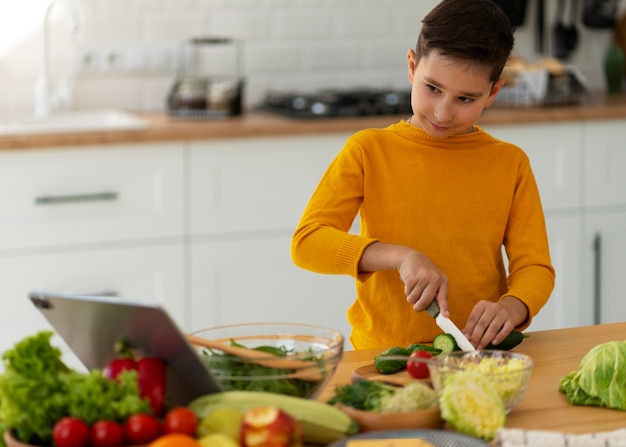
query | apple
(269,426)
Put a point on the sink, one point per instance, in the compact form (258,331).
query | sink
(72,122)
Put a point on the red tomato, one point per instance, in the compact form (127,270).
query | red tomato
(419,370)
(107,434)
(142,429)
(180,420)
(70,432)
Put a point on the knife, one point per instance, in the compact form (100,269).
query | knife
(449,327)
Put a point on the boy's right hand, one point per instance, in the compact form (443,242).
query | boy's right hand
(423,281)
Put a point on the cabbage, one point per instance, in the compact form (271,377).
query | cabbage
(600,379)
(412,397)
(471,405)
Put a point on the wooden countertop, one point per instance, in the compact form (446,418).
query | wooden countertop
(556,353)
(259,124)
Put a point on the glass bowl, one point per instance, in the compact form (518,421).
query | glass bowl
(508,372)
(292,359)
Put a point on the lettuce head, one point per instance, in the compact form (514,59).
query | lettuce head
(471,405)
(600,379)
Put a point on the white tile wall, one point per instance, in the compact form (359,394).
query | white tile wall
(303,44)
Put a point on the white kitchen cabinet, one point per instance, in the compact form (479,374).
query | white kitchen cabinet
(96,220)
(61,196)
(134,271)
(604,257)
(253,279)
(604,242)
(605,163)
(555,153)
(256,184)
(565,308)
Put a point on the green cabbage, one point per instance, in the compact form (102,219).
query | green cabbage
(600,379)
(471,405)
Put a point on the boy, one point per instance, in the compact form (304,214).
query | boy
(438,198)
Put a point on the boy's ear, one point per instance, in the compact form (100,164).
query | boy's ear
(412,63)
(494,91)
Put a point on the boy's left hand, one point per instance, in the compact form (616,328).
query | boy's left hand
(491,322)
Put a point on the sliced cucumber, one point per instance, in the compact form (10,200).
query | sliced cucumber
(445,342)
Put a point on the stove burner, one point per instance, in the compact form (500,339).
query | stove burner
(338,103)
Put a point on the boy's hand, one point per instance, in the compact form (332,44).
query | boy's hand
(423,282)
(491,322)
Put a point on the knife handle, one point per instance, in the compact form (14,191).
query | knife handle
(433,309)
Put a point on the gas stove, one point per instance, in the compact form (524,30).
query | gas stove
(338,103)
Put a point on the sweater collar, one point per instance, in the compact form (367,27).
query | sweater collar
(413,132)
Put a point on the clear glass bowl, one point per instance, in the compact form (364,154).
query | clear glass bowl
(309,357)
(508,372)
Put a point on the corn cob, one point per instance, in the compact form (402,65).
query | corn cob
(321,423)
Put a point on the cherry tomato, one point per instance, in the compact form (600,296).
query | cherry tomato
(142,429)
(181,420)
(70,432)
(419,370)
(107,434)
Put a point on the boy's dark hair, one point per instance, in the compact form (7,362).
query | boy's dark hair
(474,31)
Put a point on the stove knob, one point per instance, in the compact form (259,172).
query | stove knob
(319,108)
(298,103)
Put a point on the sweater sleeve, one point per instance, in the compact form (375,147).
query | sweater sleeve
(531,274)
(322,242)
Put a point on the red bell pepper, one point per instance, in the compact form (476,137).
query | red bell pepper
(151,375)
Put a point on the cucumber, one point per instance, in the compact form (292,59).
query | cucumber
(511,341)
(420,347)
(446,343)
(385,366)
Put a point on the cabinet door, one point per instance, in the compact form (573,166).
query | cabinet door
(554,151)
(605,267)
(605,163)
(255,281)
(564,308)
(137,273)
(256,184)
(57,196)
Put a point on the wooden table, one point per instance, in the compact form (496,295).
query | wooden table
(556,353)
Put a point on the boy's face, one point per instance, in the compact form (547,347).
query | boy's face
(448,95)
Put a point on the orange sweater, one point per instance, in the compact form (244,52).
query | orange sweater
(458,200)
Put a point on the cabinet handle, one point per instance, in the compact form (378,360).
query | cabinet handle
(597,277)
(73,198)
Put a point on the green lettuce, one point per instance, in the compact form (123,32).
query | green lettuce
(600,379)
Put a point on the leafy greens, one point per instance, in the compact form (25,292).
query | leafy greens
(37,389)
(600,379)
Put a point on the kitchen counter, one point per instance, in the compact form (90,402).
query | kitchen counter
(556,353)
(260,124)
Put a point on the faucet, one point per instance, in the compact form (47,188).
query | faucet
(44,99)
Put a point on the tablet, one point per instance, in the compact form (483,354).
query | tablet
(91,325)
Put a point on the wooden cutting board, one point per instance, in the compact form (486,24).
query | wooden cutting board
(369,372)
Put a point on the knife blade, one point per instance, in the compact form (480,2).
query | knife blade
(446,325)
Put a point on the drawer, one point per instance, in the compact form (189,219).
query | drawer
(56,197)
(256,184)
(152,273)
